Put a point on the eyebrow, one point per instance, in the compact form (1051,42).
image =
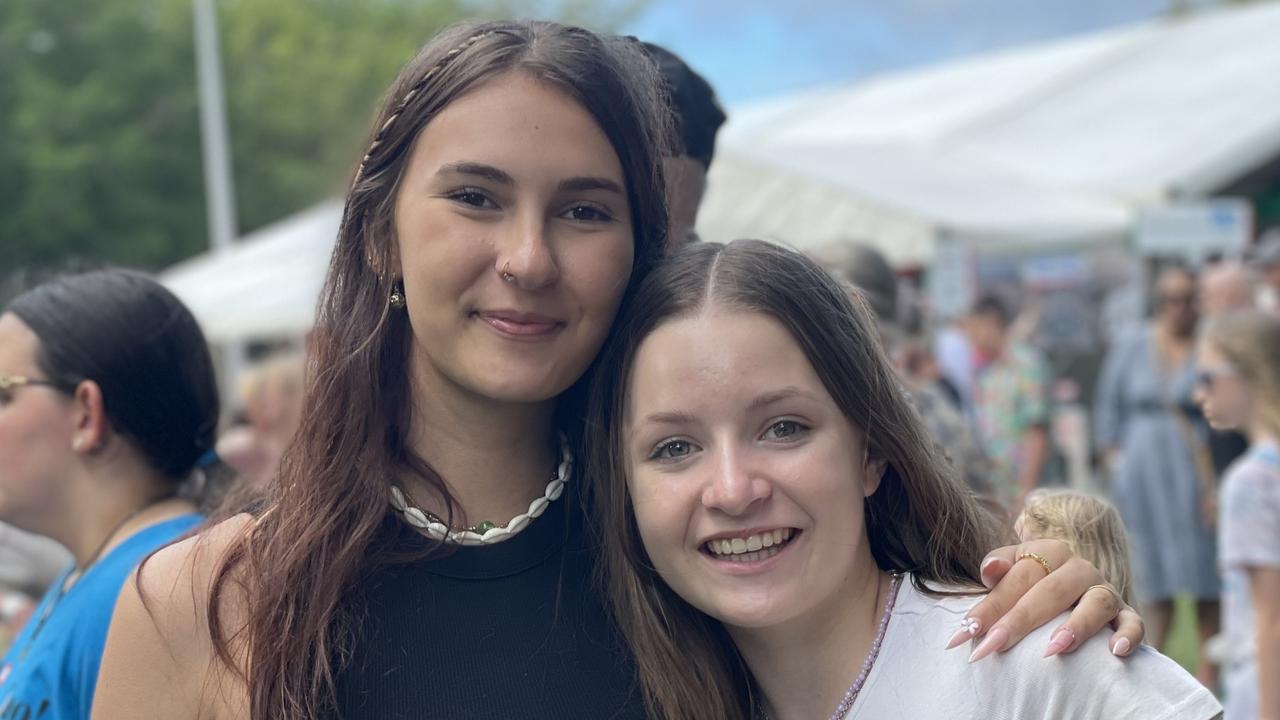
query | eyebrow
(777,396)
(762,401)
(587,184)
(491,173)
(669,418)
(488,172)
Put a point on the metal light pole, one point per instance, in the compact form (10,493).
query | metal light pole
(220,197)
(218,185)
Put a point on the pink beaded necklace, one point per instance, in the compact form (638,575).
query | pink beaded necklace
(850,695)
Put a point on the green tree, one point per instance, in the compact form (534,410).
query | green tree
(99,132)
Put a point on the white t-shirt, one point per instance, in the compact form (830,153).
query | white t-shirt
(914,678)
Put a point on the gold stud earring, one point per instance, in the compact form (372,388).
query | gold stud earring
(397,298)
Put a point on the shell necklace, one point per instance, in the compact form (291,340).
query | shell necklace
(485,532)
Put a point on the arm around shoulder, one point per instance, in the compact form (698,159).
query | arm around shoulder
(159,659)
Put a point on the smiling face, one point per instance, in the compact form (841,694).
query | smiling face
(747,481)
(514,240)
(35,433)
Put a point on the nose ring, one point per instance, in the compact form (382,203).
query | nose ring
(507,277)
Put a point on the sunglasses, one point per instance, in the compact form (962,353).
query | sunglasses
(1181,300)
(10,382)
(1207,376)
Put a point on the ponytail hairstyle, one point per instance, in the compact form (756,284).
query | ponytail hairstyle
(133,338)
(302,559)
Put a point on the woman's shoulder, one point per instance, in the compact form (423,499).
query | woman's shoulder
(191,564)
(160,653)
(1092,682)
(1260,463)
(1020,682)
(1134,342)
(1254,478)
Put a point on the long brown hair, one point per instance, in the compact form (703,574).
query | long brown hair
(302,559)
(921,519)
(1250,340)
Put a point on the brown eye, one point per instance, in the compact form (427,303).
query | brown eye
(472,197)
(587,213)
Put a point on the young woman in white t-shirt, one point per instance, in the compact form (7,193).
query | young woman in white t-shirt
(791,532)
(1238,384)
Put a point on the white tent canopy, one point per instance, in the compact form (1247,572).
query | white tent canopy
(1045,145)
(264,286)
(1059,141)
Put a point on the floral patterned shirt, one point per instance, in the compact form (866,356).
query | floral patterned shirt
(1010,397)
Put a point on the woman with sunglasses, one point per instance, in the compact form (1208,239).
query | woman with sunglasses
(1153,439)
(1238,385)
(107,402)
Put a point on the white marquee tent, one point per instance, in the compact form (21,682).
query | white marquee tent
(266,285)
(1055,143)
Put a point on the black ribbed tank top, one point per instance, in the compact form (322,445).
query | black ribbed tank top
(508,631)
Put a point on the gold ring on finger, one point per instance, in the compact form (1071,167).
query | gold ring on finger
(1038,558)
(1120,603)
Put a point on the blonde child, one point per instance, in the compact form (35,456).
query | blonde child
(1090,526)
(1238,385)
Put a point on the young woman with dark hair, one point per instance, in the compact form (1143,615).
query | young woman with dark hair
(107,402)
(784,524)
(420,555)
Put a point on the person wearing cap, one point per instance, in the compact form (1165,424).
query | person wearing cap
(698,117)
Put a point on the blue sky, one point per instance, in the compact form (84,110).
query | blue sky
(751,49)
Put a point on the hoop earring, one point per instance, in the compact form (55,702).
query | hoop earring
(396,301)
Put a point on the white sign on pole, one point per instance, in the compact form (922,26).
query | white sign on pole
(951,282)
(1192,230)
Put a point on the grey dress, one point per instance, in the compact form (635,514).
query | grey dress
(1155,483)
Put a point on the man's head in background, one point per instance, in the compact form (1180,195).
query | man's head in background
(1225,286)
(698,117)
(1265,259)
(861,266)
(988,325)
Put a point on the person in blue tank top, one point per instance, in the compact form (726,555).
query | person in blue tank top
(107,405)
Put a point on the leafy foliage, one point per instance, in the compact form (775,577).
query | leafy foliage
(99,129)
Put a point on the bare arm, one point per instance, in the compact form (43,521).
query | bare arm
(1264,590)
(159,660)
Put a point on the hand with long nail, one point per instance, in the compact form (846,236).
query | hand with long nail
(1023,597)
